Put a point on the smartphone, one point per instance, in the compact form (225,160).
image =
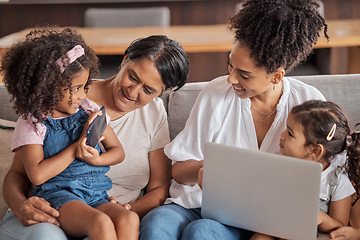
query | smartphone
(97,128)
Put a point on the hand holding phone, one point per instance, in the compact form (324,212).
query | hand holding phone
(96,128)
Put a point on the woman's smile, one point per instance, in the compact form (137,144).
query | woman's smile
(239,90)
(125,98)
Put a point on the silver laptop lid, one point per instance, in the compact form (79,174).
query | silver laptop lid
(261,192)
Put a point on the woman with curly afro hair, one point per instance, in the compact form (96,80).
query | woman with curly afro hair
(247,108)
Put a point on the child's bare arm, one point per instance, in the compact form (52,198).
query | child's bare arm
(114,151)
(38,169)
(339,215)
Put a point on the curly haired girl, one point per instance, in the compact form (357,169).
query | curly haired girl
(318,131)
(48,75)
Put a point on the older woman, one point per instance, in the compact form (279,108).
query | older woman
(141,182)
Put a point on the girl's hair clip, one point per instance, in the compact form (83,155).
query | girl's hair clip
(331,133)
(69,57)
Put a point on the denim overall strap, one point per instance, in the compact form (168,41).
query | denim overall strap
(334,180)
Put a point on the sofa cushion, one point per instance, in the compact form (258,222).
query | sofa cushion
(341,89)
(6,157)
(179,105)
(6,107)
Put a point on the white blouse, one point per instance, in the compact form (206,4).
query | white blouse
(220,116)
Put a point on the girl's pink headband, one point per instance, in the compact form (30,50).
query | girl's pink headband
(70,57)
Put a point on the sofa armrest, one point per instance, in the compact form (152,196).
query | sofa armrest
(6,158)
(6,107)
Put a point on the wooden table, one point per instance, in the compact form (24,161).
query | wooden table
(113,41)
(204,38)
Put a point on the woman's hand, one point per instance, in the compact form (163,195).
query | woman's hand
(16,188)
(187,172)
(260,236)
(345,233)
(321,217)
(36,210)
(113,200)
(200,177)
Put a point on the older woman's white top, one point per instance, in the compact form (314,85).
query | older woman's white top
(140,132)
(220,116)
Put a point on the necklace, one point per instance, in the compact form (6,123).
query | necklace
(267,115)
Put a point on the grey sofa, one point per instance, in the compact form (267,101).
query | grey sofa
(342,89)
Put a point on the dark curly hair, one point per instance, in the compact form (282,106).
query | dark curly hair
(32,76)
(279,33)
(317,118)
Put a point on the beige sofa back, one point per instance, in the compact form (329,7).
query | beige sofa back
(341,89)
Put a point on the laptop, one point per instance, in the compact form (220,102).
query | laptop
(261,192)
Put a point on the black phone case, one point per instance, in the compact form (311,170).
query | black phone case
(97,128)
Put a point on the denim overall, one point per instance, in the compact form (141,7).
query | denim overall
(79,181)
(324,205)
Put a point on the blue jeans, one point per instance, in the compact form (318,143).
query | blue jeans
(172,221)
(12,229)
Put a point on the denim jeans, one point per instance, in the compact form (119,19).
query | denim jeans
(172,221)
(12,229)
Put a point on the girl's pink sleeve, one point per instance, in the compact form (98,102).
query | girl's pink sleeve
(90,107)
(25,133)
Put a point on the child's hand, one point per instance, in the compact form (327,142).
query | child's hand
(345,233)
(89,121)
(87,153)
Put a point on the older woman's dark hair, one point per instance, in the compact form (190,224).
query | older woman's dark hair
(169,57)
(279,33)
